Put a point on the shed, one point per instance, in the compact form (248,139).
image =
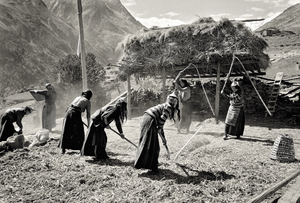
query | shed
(209,45)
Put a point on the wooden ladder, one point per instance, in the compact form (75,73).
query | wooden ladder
(274,93)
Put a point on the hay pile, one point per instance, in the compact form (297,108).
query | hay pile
(207,170)
(204,42)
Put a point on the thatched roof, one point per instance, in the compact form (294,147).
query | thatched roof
(204,43)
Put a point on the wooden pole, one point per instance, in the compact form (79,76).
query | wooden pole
(217,100)
(128,98)
(164,84)
(273,189)
(228,75)
(82,49)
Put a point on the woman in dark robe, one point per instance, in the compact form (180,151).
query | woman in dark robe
(72,136)
(96,139)
(10,116)
(184,94)
(49,109)
(235,119)
(152,124)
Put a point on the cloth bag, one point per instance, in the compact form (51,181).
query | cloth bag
(42,136)
(283,149)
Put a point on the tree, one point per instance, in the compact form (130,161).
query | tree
(68,73)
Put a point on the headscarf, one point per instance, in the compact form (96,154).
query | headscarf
(185,82)
(174,108)
(87,94)
(28,109)
(49,86)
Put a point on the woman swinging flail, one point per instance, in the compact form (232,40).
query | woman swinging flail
(235,119)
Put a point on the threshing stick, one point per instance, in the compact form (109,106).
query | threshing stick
(119,135)
(118,97)
(124,137)
(254,87)
(233,57)
(204,91)
(187,142)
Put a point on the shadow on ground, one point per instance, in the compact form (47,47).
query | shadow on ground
(192,176)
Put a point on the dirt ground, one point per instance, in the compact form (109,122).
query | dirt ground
(257,128)
(243,165)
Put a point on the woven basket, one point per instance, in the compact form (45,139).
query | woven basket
(283,149)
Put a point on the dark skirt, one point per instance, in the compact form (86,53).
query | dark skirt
(49,116)
(72,136)
(7,128)
(186,116)
(148,150)
(238,129)
(95,142)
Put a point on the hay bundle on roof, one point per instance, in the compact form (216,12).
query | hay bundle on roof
(204,42)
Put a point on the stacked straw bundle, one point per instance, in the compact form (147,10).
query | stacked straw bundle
(204,42)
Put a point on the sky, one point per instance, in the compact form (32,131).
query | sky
(164,13)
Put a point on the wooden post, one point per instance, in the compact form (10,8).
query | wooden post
(128,98)
(164,84)
(217,99)
(82,49)
(274,188)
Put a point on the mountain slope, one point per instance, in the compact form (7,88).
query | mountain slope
(288,20)
(33,38)
(284,47)
(105,23)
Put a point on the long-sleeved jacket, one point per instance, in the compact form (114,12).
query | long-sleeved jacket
(106,115)
(160,113)
(16,115)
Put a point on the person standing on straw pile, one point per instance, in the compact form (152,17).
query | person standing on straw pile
(235,119)
(13,115)
(184,93)
(72,136)
(49,109)
(152,124)
(96,139)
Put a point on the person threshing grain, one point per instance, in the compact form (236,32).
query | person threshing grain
(184,94)
(152,124)
(13,115)
(49,109)
(72,136)
(96,139)
(235,119)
